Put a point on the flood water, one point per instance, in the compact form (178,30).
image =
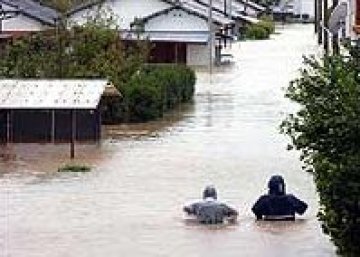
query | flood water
(131,203)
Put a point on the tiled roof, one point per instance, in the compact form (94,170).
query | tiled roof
(34,10)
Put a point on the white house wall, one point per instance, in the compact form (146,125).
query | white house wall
(124,10)
(176,20)
(22,23)
(305,7)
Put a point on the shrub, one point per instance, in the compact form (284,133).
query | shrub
(261,30)
(153,90)
(74,168)
(326,130)
(256,31)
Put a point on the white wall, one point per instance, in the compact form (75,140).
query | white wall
(177,20)
(305,7)
(22,23)
(125,10)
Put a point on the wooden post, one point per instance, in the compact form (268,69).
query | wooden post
(176,53)
(73,133)
(53,126)
(316,27)
(210,25)
(320,22)
(326,23)
(8,128)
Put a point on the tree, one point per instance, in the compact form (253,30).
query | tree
(326,129)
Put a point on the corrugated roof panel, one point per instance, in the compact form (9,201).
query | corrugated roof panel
(235,12)
(203,11)
(51,94)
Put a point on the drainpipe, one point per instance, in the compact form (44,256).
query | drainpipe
(320,21)
(211,38)
(316,5)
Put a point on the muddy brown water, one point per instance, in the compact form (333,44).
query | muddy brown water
(130,204)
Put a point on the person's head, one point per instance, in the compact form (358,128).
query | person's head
(276,185)
(210,192)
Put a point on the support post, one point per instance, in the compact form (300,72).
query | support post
(8,126)
(316,18)
(210,25)
(176,53)
(320,21)
(335,37)
(73,134)
(53,126)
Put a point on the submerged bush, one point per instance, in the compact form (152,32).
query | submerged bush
(261,30)
(151,91)
(74,168)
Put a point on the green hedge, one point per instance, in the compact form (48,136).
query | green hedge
(326,130)
(150,92)
(260,30)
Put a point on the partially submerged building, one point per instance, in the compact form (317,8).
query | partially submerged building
(51,110)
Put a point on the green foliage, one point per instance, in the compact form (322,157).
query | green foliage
(260,30)
(153,90)
(94,50)
(74,168)
(326,130)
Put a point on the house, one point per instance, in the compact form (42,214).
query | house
(44,111)
(30,17)
(178,31)
(298,10)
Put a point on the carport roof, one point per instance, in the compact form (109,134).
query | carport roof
(51,94)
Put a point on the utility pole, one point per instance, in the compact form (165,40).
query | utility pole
(211,37)
(325,24)
(316,14)
(335,36)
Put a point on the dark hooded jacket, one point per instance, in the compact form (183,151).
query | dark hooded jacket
(277,205)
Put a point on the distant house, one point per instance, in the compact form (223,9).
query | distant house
(30,16)
(301,10)
(178,31)
(43,111)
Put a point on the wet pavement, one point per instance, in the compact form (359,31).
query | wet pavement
(131,203)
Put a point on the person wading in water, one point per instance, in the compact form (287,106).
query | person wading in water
(277,205)
(211,211)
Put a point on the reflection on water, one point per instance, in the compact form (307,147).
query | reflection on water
(130,205)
